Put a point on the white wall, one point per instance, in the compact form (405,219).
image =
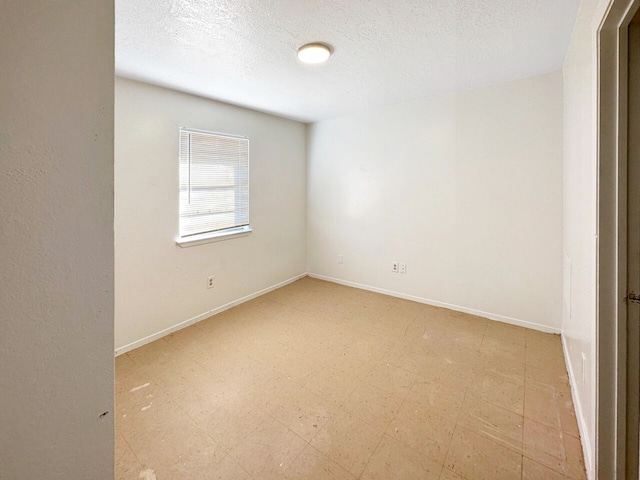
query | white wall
(56,240)
(158,284)
(464,188)
(580,220)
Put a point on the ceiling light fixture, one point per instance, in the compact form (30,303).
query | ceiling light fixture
(314,52)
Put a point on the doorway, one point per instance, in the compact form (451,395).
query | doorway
(633,251)
(618,337)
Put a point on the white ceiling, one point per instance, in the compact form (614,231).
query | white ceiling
(386,51)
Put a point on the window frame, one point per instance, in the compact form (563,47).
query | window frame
(218,235)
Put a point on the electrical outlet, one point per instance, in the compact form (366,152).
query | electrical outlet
(403,268)
(210,281)
(394,268)
(340,259)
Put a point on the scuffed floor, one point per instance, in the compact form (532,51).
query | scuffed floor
(321,381)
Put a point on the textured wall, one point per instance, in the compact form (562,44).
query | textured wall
(56,240)
(466,189)
(158,284)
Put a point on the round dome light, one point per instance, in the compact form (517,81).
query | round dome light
(314,53)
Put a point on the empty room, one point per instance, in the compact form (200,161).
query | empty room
(319,240)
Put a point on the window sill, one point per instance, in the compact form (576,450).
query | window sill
(213,237)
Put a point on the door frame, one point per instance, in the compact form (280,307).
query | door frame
(612,454)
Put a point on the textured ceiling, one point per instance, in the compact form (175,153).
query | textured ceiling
(386,51)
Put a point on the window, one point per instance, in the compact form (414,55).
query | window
(214,186)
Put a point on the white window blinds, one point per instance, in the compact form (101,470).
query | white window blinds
(214,182)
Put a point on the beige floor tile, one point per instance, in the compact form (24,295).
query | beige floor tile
(370,348)
(245,373)
(394,380)
(574,467)
(534,471)
(294,293)
(454,340)
(452,351)
(498,390)
(269,352)
(540,341)
(227,469)
(554,449)
(374,406)
(348,441)
(302,411)
(159,352)
(536,376)
(161,432)
(311,464)
(124,365)
(300,366)
(436,398)
(466,322)
(552,364)
(448,370)
(137,390)
(498,347)
(410,308)
(548,400)
(417,332)
(492,422)
(228,419)
(568,420)
(467,328)
(268,451)
(352,361)
(390,326)
(331,384)
(475,457)
(194,459)
(253,384)
(507,333)
(543,405)
(392,460)
(181,377)
(403,355)
(147,474)
(367,303)
(449,475)
(186,338)
(266,395)
(202,403)
(339,334)
(402,314)
(127,464)
(510,369)
(214,358)
(544,445)
(427,433)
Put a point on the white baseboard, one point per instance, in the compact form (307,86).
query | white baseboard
(479,313)
(214,311)
(202,316)
(585,439)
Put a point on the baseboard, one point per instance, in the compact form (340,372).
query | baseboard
(214,311)
(202,316)
(457,308)
(585,439)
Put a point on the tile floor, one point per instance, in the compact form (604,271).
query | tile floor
(321,381)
